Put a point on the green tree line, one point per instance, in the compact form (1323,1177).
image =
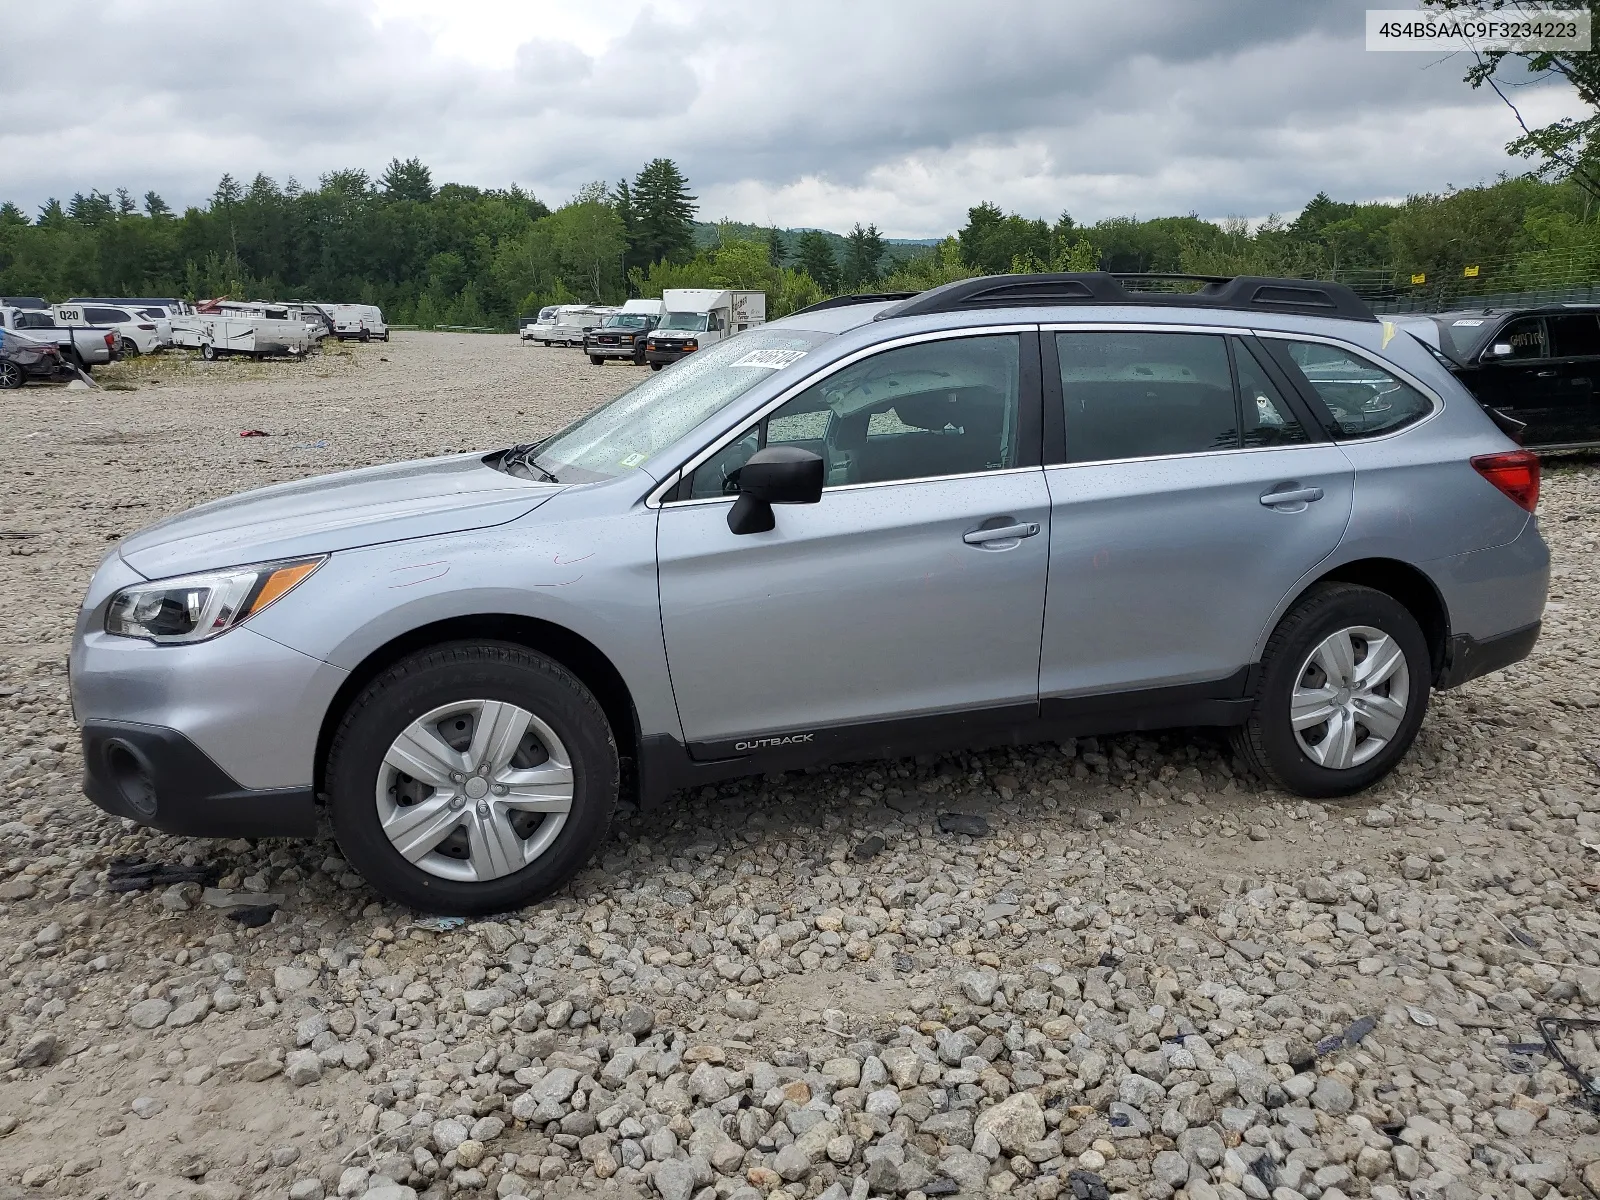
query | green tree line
(453,254)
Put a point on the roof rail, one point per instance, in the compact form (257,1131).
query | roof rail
(1309,297)
(861,298)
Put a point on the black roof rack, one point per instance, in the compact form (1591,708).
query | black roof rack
(1309,297)
(863,298)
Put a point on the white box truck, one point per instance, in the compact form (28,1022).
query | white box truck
(701,317)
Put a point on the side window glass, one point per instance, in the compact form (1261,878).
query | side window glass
(1136,395)
(1362,397)
(1525,337)
(1574,335)
(947,407)
(1265,419)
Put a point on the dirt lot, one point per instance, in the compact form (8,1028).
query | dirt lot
(799,985)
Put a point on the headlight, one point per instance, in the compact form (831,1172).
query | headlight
(193,608)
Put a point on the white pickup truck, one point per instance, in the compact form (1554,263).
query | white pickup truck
(82,346)
(701,317)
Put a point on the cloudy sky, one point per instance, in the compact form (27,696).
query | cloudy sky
(805,113)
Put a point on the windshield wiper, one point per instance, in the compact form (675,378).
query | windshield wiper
(522,456)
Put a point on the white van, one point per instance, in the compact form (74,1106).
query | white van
(362,321)
(572,322)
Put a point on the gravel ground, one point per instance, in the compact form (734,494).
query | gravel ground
(1138,970)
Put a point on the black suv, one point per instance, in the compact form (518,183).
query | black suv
(1536,365)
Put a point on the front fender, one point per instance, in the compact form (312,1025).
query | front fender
(595,576)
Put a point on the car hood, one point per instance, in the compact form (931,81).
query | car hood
(335,512)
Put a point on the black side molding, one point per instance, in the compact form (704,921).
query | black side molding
(158,777)
(667,765)
(1467,658)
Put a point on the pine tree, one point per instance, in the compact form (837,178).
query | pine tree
(777,251)
(228,192)
(125,204)
(408,180)
(861,256)
(663,213)
(815,257)
(155,206)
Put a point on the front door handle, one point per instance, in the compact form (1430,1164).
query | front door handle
(1544,374)
(1004,533)
(1303,495)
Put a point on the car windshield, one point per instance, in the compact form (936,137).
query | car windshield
(627,432)
(695,322)
(625,321)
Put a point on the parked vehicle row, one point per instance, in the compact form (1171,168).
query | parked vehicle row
(82,346)
(871,527)
(658,332)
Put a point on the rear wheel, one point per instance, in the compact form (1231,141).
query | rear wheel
(208,352)
(1344,688)
(11,376)
(128,348)
(472,778)
(386,335)
(366,335)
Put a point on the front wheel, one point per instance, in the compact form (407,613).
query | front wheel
(472,778)
(655,366)
(11,376)
(1344,687)
(597,360)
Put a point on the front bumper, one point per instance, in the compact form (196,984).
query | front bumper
(612,351)
(665,354)
(158,777)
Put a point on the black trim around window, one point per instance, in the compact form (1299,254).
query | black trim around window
(1311,419)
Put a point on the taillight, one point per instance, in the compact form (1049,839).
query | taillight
(1516,473)
(111,339)
(150,328)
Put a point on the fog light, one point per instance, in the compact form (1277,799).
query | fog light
(131,777)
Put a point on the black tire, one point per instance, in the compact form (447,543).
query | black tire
(1267,742)
(437,677)
(366,335)
(386,335)
(597,360)
(547,345)
(128,348)
(11,375)
(655,366)
(208,352)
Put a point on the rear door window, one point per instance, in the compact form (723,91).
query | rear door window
(1266,420)
(105,316)
(1574,335)
(1133,394)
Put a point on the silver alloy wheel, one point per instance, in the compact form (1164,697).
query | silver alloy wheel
(1350,697)
(475,790)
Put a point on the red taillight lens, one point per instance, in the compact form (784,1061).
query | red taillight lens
(111,339)
(1515,473)
(150,328)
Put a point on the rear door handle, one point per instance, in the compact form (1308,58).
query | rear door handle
(1005,533)
(1303,495)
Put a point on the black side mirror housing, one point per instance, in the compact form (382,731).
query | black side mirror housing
(776,475)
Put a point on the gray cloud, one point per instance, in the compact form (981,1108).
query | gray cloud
(902,111)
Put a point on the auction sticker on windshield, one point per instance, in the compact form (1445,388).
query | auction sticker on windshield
(775,359)
(634,459)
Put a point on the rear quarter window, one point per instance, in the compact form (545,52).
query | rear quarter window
(1362,399)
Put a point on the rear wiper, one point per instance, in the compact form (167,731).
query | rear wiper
(522,456)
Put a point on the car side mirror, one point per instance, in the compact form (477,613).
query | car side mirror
(776,475)
(1499,350)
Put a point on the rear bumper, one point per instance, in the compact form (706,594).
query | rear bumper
(158,777)
(1467,657)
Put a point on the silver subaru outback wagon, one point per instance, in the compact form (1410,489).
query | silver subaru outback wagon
(1008,509)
